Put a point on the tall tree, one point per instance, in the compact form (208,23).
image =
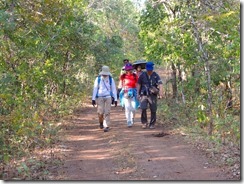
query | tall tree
(198,36)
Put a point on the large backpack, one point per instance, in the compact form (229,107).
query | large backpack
(110,82)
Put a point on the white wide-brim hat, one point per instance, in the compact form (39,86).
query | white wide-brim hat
(105,71)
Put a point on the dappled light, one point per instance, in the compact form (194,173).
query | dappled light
(78,138)
(127,153)
(53,52)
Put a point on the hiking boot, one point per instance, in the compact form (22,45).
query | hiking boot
(106,129)
(151,126)
(144,126)
(129,124)
(101,125)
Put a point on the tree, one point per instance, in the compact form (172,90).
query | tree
(196,36)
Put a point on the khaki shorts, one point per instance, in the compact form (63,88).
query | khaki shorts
(103,105)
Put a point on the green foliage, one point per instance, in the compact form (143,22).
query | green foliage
(228,128)
(51,52)
(116,33)
(188,34)
(42,45)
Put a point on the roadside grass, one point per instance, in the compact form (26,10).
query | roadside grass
(222,147)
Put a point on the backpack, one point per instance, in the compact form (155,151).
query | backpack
(99,80)
(110,82)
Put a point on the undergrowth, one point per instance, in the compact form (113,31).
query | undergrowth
(222,147)
(28,139)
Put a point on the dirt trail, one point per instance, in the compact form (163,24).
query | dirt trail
(127,153)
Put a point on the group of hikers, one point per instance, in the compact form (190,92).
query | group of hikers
(136,89)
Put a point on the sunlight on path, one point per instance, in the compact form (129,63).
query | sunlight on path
(127,153)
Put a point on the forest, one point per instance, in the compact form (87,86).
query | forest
(52,50)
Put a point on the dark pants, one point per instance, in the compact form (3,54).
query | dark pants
(150,100)
(118,91)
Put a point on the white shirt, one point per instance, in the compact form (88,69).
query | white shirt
(102,90)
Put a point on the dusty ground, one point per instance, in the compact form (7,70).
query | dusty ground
(128,153)
(122,154)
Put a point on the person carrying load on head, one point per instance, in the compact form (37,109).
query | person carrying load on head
(128,94)
(104,94)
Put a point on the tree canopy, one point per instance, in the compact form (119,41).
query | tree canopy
(51,51)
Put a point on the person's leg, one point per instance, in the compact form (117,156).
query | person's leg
(100,119)
(153,110)
(133,114)
(144,102)
(133,109)
(153,119)
(127,102)
(107,109)
(100,111)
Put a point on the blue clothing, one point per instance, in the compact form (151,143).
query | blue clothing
(149,66)
(131,93)
(146,81)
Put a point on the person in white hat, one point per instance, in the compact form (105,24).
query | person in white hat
(104,94)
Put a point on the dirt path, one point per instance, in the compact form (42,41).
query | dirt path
(127,153)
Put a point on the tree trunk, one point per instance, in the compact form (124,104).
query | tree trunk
(195,75)
(207,69)
(229,95)
(204,57)
(174,81)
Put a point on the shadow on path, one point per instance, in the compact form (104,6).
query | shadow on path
(123,153)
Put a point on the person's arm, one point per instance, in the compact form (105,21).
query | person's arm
(160,90)
(160,86)
(95,88)
(139,84)
(120,84)
(114,90)
(138,87)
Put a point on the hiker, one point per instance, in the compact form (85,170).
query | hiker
(138,70)
(104,94)
(122,71)
(149,87)
(128,93)
(125,61)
